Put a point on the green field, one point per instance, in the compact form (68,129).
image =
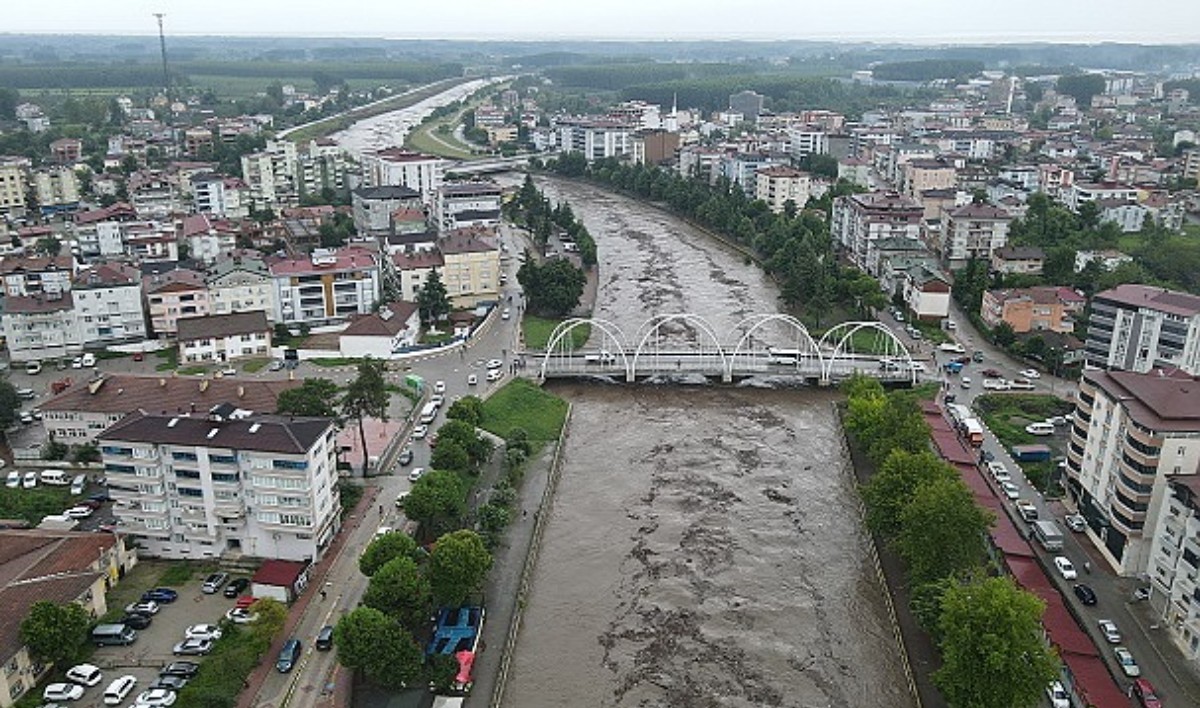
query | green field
(538,330)
(522,404)
(422,139)
(33,504)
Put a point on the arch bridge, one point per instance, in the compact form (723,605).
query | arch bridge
(686,344)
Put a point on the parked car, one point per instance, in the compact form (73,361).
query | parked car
(1027,510)
(1065,568)
(1145,693)
(1076,522)
(1085,594)
(193,647)
(136,620)
(63,692)
(14,479)
(118,689)
(495,364)
(1040,429)
(1031,373)
(952,347)
(240,615)
(1108,628)
(406,457)
(78,484)
(420,432)
(439,387)
(156,698)
(236,587)
(139,356)
(1010,490)
(85,674)
(170,682)
(187,669)
(275,365)
(30,481)
(288,656)
(1057,695)
(214,582)
(1125,659)
(325,638)
(472,379)
(416,474)
(161,595)
(992,373)
(999,471)
(203,631)
(79,512)
(148,607)
(494,375)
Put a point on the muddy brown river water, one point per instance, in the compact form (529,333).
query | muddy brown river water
(704,547)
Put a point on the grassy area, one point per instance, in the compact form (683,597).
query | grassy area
(223,674)
(538,330)
(521,404)
(33,504)
(422,139)
(179,573)
(927,391)
(350,493)
(170,359)
(334,361)
(253,366)
(932,331)
(1007,414)
(193,370)
(106,355)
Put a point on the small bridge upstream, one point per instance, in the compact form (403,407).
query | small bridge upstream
(770,345)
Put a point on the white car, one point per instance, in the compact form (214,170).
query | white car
(14,479)
(506,314)
(495,375)
(85,674)
(63,692)
(472,379)
(240,615)
(203,631)
(156,697)
(118,689)
(439,387)
(78,512)
(952,347)
(192,647)
(1128,665)
(1076,522)
(30,481)
(416,474)
(996,385)
(1065,568)
(149,607)
(495,364)
(1040,429)
(1010,490)
(1109,629)
(1031,373)
(965,382)
(999,471)
(437,399)
(420,432)
(1058,697)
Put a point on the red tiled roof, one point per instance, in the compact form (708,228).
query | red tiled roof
(282,573)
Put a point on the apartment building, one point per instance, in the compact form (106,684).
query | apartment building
(108,304)
(41,326)
(858,220)
(57,566)
(808,140)
(1018,259)
(413,268)
(34,275)
(82,412)
(1175,561)
(1038,309)
(57,189)
(221,196)
(973,231)
(222,338)
(471,272)
(153,194)
(173,295)
(224,482)
(397,167)
(329,286)
(466,204)
(1079,193)
(13,185)
(922,174)
(374,206)
(271,175)
(777,185)
(1131,436)
(595,138)
(99,232)
(1138,328)
(240,283)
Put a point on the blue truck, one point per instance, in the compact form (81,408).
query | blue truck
(953,367)
(1031,453)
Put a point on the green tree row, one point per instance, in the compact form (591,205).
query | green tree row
(533,211)
(987,629)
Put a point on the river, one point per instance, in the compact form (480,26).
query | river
(704,546)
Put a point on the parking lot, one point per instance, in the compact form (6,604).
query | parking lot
(152,650)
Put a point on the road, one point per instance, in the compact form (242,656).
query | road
(1159,661)
(309,684)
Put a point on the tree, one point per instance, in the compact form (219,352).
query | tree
(942,531)
(368,640)
(992,646)
(552,289)
(1081,87)
(464,434)
(1003,334)
(437,497)
(48,246)
(366,397)
(889,491)
(468,409)
(87,452)
(457,566)
(385,548)
(401,591)
(55,633)
(450,455)
(432,300)
(315,397)
(10,403)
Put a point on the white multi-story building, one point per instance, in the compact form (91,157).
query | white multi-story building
(202,486)
(777,185)
(221,338)
(808,141)
(858,220)
(271,175)
(595,138)
(329,286)
(108,304)
(1079,193)
(42,326)
(472,266)
(1175,563)
(98,232)
(13,184)
(974,231)
(57,189)
(240,283)
(33,275)
(1138,328)
(464,204)
(397,167)
(1131,435)
(221,196)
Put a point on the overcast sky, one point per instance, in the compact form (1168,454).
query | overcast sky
(1167,21)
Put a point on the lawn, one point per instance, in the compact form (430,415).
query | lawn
(170,357)
(521,404)
(422,139)
(253,366)
(1007,414)
(33,504)
(538,331)
(334,361)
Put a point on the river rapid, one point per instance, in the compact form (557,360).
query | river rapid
(704,545)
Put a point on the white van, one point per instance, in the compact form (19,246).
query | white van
(89,360)
(1039,429)
(78,484)
(55,478)
(429,412)
(33,368)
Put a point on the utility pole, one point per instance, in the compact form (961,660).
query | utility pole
(162,47)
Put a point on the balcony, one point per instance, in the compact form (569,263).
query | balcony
(1125,522)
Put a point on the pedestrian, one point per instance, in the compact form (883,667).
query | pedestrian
(381,509)
(322,593)
(524,513)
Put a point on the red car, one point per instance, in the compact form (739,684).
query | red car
(138,356)
(992,373)
(1145,694)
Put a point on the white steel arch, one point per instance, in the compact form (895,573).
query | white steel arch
(805,349)
(653,328)
(887,348)
(560,343)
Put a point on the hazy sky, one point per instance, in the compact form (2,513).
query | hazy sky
(899,20)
